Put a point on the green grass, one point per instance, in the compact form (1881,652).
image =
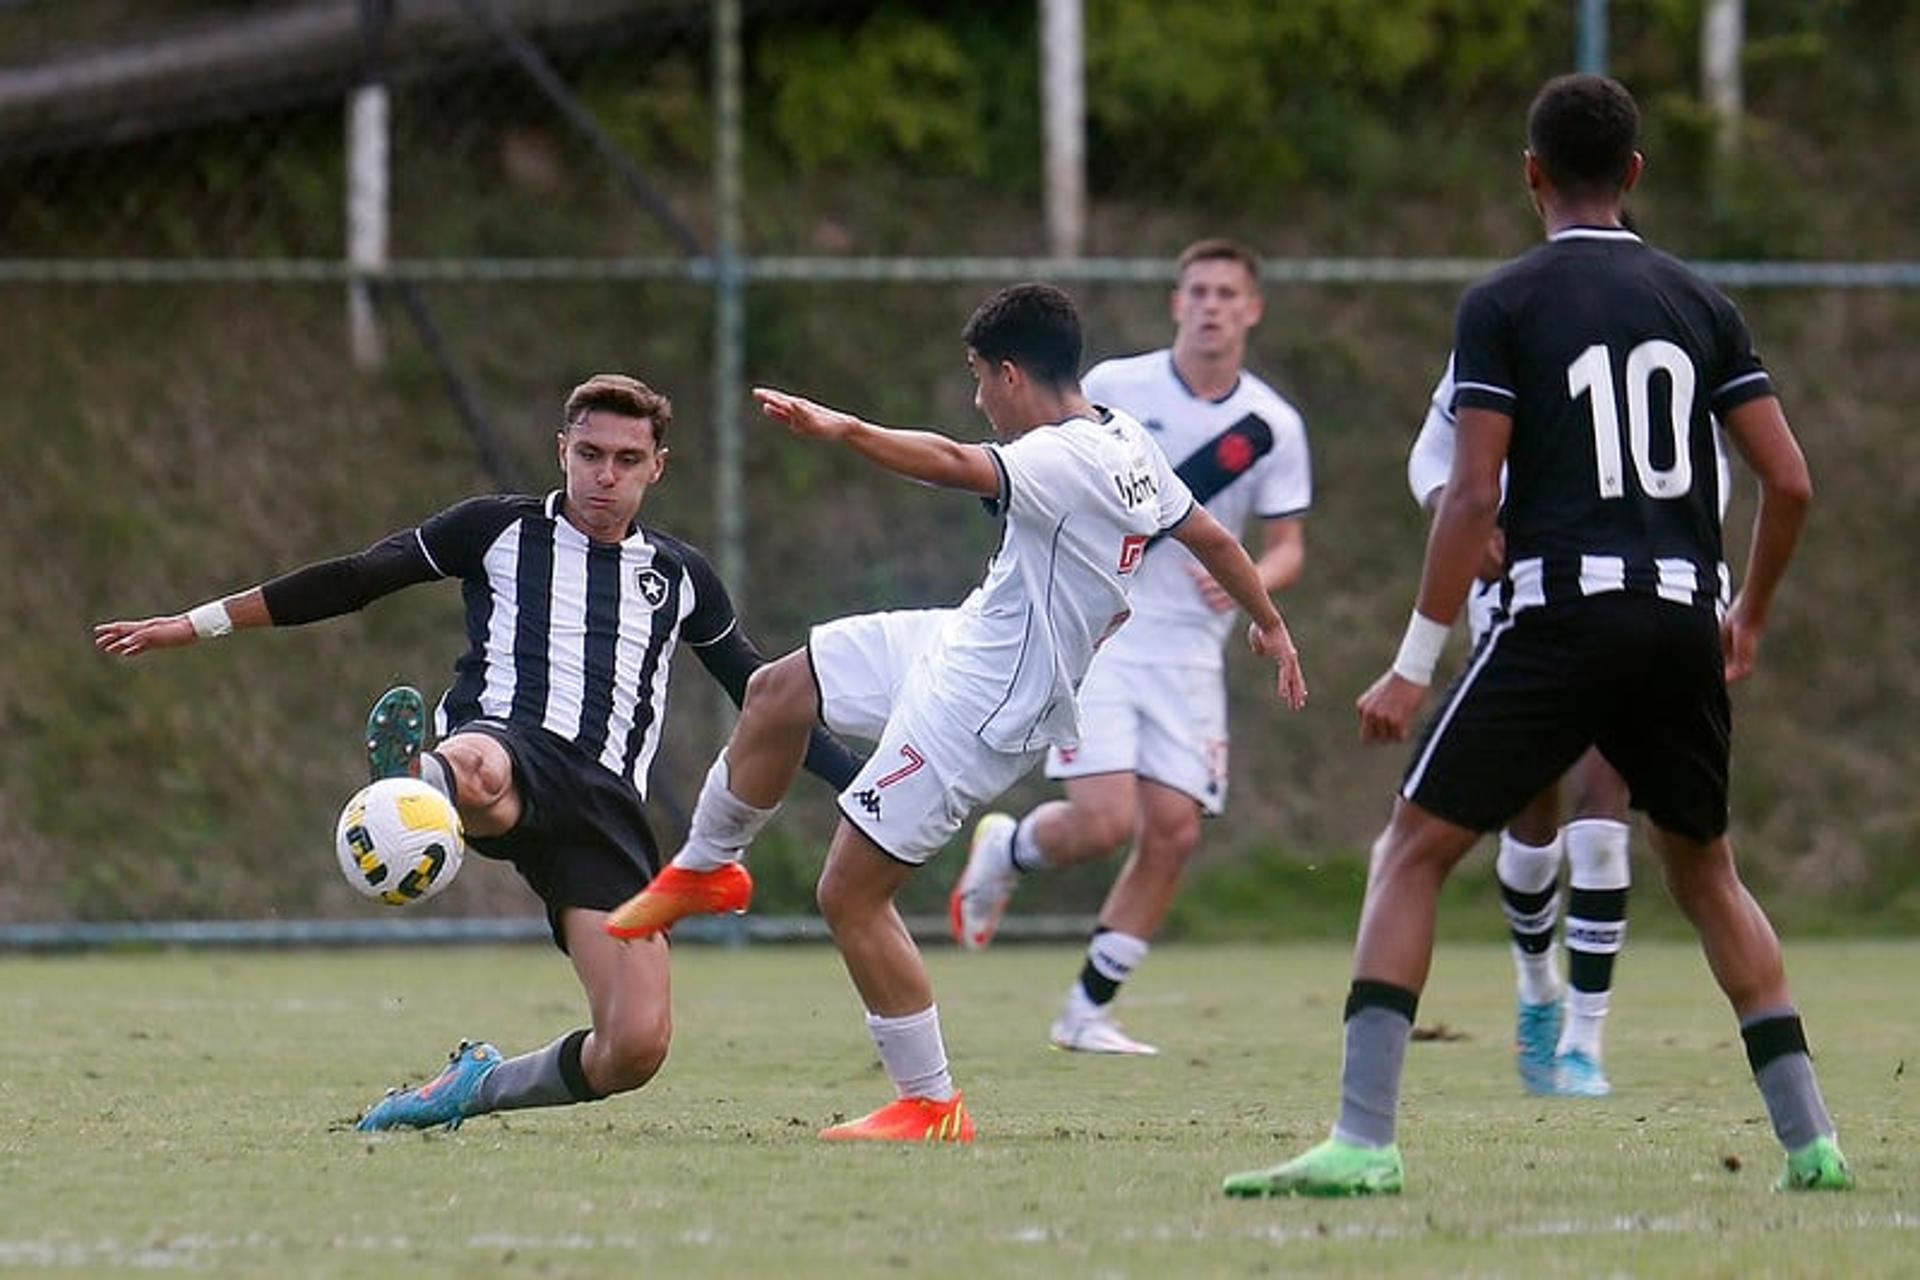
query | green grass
(191,1111)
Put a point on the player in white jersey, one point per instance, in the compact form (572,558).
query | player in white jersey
(1153,754)
(961,702)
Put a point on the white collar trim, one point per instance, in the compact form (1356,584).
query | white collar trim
(1594,233)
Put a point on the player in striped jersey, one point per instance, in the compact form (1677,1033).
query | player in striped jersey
(1557,1034)
(1152,760)
(574,609)
(1591,368)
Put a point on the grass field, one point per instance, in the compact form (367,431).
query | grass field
(192,1112)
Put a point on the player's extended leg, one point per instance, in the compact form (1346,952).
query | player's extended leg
(1599,873)
(1391,957)
(1096,818)
(1527,869)
(630,1001)
(1130,918)
(1744,953)
(742,790)
(856,895)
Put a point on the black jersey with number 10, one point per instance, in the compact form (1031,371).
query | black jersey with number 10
(1612,359)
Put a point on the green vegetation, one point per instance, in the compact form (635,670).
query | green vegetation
(191,1111)
(164,443)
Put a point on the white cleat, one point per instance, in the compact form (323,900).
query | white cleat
(1095,1033)
(980,896)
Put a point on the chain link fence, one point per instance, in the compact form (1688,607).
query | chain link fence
(192,408)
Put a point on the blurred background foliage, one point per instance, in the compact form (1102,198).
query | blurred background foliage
(162,443)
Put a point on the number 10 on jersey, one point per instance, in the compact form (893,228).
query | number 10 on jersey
(1591,375)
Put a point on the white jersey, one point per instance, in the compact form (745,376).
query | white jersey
(1081,499)
(1430,463)
(1242,455)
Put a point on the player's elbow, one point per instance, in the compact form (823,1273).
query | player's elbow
(1793,488)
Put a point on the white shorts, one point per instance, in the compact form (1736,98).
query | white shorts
(1165,724)
(928,772)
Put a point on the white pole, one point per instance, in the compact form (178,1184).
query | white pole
(1722,31)
(1063,111)
(367,154)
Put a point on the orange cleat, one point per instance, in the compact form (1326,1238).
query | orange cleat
(908,1120)
(675,893)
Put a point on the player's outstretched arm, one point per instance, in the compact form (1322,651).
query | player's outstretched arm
(128,639)
(1223,556)
(325,589)
(1759,431)
(926,456)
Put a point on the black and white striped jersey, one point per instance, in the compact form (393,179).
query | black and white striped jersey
(1613,360)
(572,635)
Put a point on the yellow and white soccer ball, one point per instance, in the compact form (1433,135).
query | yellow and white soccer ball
(399,841)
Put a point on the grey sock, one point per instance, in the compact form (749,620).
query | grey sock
(1370,1075)
(546,1077)
(1793,1100)
(1784,1073)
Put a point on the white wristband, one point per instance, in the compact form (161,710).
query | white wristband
(1420,649)
(210,620)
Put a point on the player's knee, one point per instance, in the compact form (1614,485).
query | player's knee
(482,771)
(1171,841)
(783,690)
(633,1050)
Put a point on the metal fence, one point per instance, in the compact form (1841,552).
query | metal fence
(459,179)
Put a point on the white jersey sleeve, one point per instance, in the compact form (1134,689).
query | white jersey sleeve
(1431,461)
(1285,485)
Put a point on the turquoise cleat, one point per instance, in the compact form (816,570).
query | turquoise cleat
(447,1099)
(1579,1075)
(1536,1035)
(1334,1168)
(1818,1166)
(396,731)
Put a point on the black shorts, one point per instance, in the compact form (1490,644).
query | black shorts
(1639,677)
(582,839)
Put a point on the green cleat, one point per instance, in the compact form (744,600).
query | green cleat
(396,731)
(1818,1166)
(1334,1168)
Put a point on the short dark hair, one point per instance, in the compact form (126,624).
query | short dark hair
(1220,249)
(618,393)
(1033,325)
(1583,129)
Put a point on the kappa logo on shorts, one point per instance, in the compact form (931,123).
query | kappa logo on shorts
(869,800)
(652,584)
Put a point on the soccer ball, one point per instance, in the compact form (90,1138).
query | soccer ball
(399,841)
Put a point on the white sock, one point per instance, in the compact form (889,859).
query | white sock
(1024,854)
(1112,957)
(1531,869)
(1600,869)
(1586,1018)
(913,1053)
(434,772)
(723,824)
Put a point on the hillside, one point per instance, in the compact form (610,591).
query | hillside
(166,443)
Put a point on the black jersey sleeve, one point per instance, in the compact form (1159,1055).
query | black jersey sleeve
(455,540)
(1741,375)
(712,617)
(330,588)
(1483,365)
